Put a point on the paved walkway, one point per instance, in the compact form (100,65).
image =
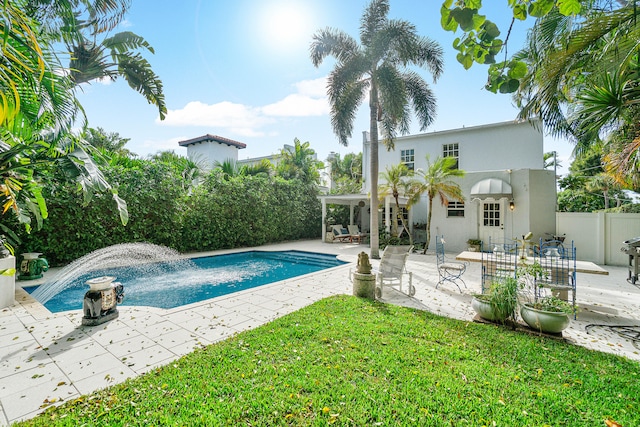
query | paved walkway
(49,358)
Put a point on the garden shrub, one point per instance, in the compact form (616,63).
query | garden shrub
(218,214)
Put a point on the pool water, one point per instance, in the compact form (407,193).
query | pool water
(162,285)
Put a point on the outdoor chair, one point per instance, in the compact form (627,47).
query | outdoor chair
(448,271)
(559,264)
(355,234)
(341,234)
(392,270)
(498,262)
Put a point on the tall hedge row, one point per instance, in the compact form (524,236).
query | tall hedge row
(249,211)
(243,211)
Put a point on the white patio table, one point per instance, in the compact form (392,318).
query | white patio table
(581,266)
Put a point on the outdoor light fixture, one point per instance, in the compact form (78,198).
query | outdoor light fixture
(512,205)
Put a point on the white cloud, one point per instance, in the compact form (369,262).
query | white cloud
(297,105)
(223,114)
(314,88)
(308,100)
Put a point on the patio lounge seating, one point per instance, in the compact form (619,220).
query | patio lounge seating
(355,234)
(341,234)
(448,271)
(392,270)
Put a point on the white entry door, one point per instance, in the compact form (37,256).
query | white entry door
(492,221)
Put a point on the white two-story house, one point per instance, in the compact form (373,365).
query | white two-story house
(507,190)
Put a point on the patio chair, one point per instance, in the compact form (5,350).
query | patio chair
(498,262)
(340,233)
(559,264)
(392,270)
(354,232)
(448,271)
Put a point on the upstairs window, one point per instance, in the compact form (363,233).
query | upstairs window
(451,150)
(455,209)
(407,157)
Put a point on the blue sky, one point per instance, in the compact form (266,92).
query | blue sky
(241,69)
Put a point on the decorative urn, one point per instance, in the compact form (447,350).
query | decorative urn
(101,300)
(32,266)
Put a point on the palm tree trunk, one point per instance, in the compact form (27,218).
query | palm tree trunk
(404,224)
(426,245)
(373,176)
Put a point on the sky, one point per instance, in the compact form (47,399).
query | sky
(241,69)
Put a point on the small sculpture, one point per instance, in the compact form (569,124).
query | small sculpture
(363,266)
(32,266)
(101,300)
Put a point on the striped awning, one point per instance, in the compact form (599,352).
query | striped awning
(491,188)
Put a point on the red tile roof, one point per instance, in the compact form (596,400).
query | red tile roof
(214,138)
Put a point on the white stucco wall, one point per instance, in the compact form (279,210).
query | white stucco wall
(500,146)
(210,151)
(598,236)
(511,151)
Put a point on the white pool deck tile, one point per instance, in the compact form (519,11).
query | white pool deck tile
(47,359)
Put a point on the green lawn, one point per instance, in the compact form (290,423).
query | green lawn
(349,361)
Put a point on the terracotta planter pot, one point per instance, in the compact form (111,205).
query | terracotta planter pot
(544,321)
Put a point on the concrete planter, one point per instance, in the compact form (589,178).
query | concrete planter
(551,322)
(7,281)
(484,309)
(364,285)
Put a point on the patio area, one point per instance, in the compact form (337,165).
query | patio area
(49,358)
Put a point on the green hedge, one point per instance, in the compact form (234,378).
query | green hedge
(249,211)
(244,211)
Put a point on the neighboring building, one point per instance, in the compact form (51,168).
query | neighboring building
(508,193)
(211,148)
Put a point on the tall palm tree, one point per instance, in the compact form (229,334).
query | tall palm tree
(378,66)
(437,181)
(397,181)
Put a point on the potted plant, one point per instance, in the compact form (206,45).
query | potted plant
(549,314)
(500,304)
(474,245)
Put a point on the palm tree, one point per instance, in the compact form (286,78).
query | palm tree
(190,169)
(378,66)
(300,162)
(604,183)
(38,111)
(115,56)
(264,169)
(111,142)
(228,168)
(437,182)
(397,182)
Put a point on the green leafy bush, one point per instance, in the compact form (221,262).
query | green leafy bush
(164,210)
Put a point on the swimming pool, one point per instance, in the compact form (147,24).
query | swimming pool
(162,285)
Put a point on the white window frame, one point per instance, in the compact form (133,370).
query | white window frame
(455,210)
(452,150)
(408,158)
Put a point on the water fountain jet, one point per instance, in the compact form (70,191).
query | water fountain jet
(142,256)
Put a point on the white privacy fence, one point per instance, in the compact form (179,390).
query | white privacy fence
(598,237)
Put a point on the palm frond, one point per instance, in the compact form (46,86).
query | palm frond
(137,71)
